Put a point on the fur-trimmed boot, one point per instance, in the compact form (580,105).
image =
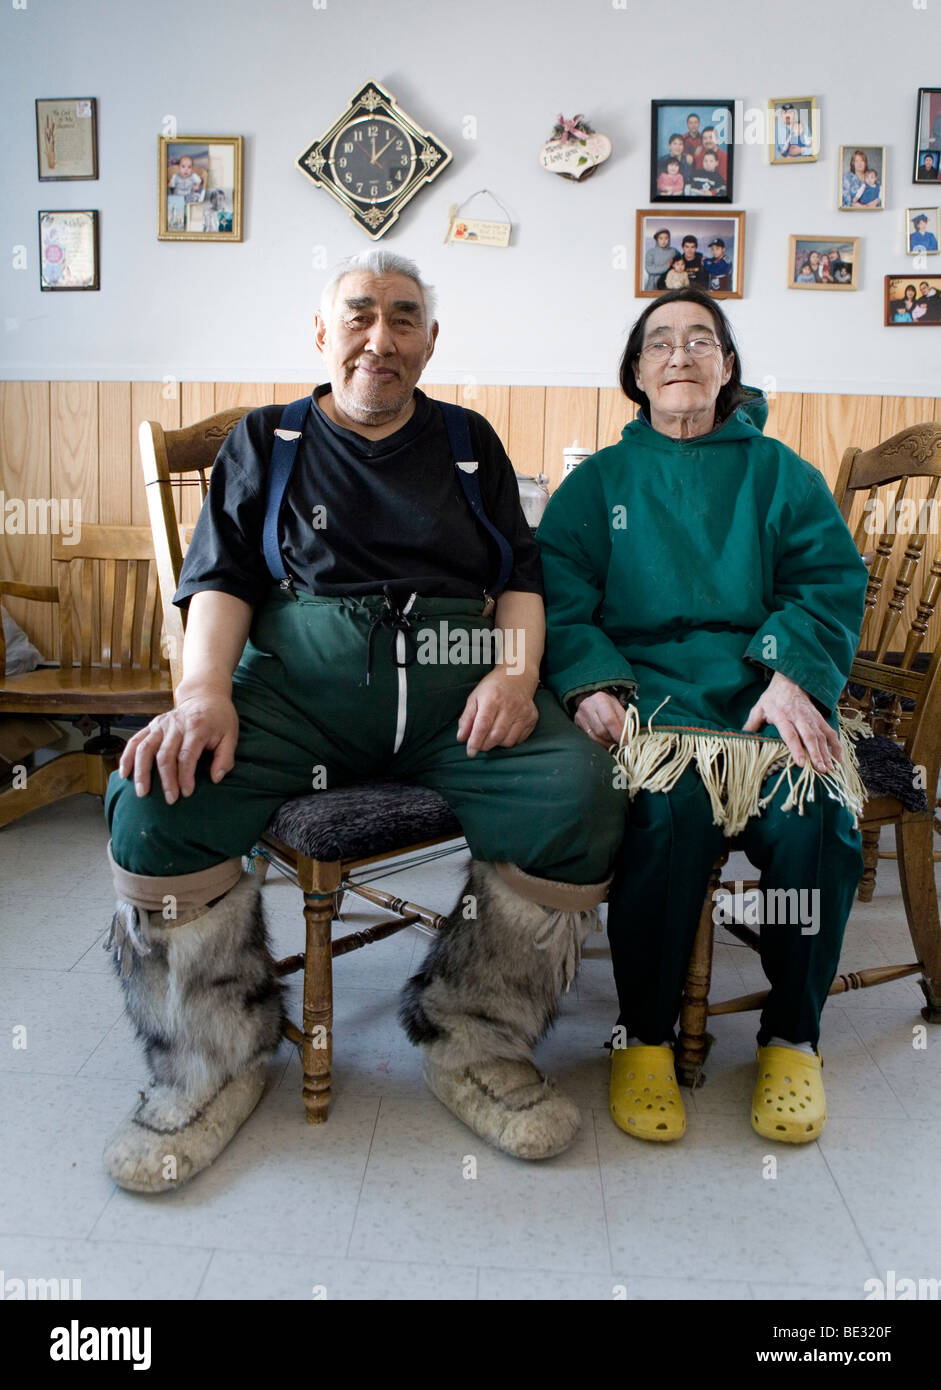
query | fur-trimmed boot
(488,991)
(203,996)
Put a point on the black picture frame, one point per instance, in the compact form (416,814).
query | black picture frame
(72,122)
(72,230)
(697,175)
(927,136)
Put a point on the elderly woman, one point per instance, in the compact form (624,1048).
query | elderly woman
(704,599)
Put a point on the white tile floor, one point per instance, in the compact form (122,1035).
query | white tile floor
(377,1203)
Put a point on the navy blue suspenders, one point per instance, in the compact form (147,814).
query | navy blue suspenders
(286,439)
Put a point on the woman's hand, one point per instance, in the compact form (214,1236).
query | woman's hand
(798,721)
(176,740)
(601,717)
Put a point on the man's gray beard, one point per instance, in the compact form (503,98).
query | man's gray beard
(365,414)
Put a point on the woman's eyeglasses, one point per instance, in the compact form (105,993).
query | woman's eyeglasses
(662,351)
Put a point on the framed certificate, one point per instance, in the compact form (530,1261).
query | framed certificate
(68,250)
(67,138)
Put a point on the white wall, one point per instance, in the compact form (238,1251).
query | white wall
(551,308)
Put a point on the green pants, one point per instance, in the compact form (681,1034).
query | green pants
(309,721)
(660,883)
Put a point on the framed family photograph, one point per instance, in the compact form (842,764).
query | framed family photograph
(680,250)
(927,136)
(66,138)
(692,146)
(68,250)
(793,130)
(199,188)
(862,178)
(912,301)
(822,263)
(922,231)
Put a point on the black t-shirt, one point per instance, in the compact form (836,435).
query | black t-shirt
(359,513)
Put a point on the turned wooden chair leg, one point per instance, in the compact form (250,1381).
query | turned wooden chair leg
(914,841)
(870,861)
(691,1046)
(317,1048)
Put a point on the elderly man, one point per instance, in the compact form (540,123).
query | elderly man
(374,537)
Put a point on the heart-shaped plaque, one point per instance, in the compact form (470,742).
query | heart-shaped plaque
(577,157)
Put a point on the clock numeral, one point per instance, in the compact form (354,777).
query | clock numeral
(404,159)
(372,130)
(389,134)
(341,163)
(398,144)
(347,146)
(398,175)
(389,185)
(359,188)
(373,190)
(358,133)
(348,178)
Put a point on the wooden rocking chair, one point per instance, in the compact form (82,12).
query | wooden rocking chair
(106,669)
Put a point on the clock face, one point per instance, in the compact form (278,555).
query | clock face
(374,159)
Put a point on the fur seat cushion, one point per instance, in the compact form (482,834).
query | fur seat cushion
(352,822)
(887,771)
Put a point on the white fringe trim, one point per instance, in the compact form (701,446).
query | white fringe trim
(734,767)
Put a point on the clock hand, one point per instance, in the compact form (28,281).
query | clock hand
(376,157)
(373,140)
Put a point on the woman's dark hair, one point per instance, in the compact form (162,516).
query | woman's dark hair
(730,396)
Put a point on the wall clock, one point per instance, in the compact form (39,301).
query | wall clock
(374,159)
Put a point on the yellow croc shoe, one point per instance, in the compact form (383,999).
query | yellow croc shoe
(789,1104)
(645,1095)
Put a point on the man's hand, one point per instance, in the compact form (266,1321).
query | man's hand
(798,721)
(175,741)
(499,713)
(601,717)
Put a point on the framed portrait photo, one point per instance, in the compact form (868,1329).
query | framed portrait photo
(913,300)
(862,178)
(68,250)
(927,136)
(822,263)
(922,231)
(694,249)
(692,148)
(793,130)
(199,188)
(66,138)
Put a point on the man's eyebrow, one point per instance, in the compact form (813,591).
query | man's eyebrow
(366,301)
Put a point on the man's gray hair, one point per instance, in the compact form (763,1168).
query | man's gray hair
(378,262)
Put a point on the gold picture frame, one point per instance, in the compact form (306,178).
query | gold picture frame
(199,188)
(793,130)
(833,261)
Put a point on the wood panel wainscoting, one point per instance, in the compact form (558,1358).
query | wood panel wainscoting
(78,440)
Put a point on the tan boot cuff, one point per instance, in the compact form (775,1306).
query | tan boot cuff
(190,890)
(549,892)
